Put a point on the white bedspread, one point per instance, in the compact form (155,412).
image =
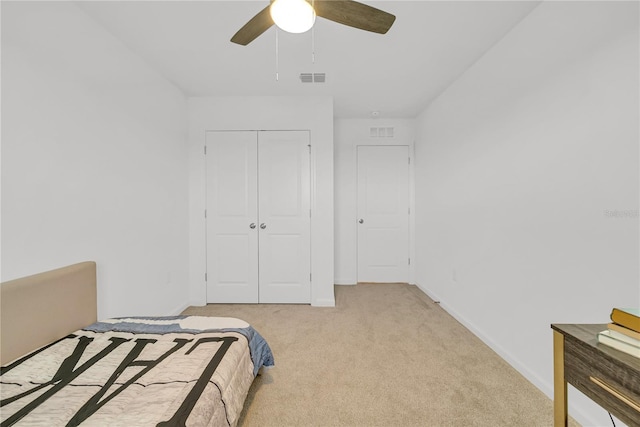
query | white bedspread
(193,372)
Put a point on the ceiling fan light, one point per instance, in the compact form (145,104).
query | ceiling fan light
(293,16)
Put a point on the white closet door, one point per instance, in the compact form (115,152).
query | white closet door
(232,199)
(284,212)
(383,214)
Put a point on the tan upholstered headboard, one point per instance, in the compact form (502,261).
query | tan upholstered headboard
(39,309)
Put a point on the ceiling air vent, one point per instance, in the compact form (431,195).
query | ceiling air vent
(313,77)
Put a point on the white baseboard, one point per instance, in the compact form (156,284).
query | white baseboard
(344,282)
(545,386)
(324,302)
(182,307)
(430,294)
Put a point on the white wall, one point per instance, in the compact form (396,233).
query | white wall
(527,185)
(266,113)
(349,133)
(94,160)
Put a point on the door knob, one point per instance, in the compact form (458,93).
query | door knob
(361,221)
(252,226)
(263,225)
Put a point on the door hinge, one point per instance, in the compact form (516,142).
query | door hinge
(309,213)
(205,277)
(205,149)
(309,148)
(409,261)
(309,276)
(409,160)
(205,213)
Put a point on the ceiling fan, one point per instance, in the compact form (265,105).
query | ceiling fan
(298,16)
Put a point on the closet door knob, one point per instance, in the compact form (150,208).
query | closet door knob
(252,225)
(263,225)
(361,221)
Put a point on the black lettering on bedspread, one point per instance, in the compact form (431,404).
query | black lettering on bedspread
(61,378)
(67,372)
(182,413)
(5,369)
(95,403)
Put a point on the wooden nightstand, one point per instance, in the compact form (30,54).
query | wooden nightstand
(609,377)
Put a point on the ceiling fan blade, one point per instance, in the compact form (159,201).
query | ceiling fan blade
(252,29)
(355,14)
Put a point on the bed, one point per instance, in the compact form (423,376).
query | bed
(60,366)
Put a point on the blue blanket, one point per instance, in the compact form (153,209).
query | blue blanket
(261,354)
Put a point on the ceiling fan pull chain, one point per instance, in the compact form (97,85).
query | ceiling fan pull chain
(313,45)
(313,36)
(277,57)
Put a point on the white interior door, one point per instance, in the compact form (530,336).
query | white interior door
(284,212)
(232,217)
(383,214)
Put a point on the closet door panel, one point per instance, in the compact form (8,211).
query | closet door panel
(284,211)
(232,207)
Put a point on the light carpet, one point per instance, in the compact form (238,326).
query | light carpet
(386,355)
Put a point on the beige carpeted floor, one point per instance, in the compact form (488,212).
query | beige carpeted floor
(386,355)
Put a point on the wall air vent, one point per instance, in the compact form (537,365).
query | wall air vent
(313,77)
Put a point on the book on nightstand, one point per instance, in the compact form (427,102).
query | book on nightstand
(627,317)
(620,342)
(625,331)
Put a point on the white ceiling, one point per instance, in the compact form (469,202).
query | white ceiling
(398,74)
